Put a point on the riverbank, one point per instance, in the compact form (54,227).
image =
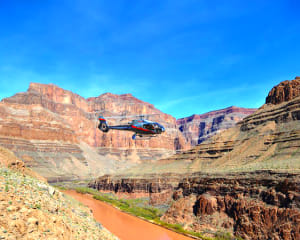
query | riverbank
(123,225)
(140,208)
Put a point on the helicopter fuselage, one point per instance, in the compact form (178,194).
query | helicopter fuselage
(139,127)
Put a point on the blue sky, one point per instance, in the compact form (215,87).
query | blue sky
(184,57)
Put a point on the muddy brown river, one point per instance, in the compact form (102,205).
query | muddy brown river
(123,225)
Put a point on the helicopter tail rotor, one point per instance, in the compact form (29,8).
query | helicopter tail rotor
(133,136)
(103,126)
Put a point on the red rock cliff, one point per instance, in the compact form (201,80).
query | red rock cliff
(55,130)
(284,91)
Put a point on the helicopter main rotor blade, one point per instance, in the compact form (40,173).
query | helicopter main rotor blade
(131,116)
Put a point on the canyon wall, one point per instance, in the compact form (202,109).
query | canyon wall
(199,127)
(252,205)
(54,131)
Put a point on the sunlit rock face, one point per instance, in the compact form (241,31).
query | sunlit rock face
(284,91)
(199,127)
(55,132)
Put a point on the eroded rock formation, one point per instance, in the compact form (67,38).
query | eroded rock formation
(284,91)
(198,127)
(253,205)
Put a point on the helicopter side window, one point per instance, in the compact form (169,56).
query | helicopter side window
(149,126)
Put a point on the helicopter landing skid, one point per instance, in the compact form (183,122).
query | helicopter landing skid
(142,137)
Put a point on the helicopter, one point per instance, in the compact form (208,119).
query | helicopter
(141,127)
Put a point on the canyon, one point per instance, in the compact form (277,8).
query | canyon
(54,132)
(235,170)
(244,180)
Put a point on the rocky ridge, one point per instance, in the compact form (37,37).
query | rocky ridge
(54,132)
(199,127)
(32,209)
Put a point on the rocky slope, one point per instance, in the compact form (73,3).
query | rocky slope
(199,127)
(31,209)
(54,131)
(244,180)
(9,160)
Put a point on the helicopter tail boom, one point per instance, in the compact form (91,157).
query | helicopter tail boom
(103,126)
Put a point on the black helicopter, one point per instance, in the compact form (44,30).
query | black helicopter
(141,127)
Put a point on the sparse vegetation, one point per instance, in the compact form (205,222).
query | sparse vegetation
(136,207)
(52,211)
(37,206)
(140,208)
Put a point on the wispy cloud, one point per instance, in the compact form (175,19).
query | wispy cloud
(211,98)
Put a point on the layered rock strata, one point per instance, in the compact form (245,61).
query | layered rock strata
(255,205)
(159,188)
(54,131)
(199,127)
(284,91)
